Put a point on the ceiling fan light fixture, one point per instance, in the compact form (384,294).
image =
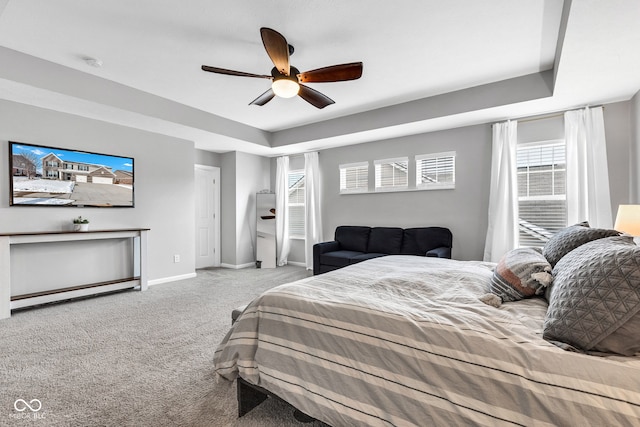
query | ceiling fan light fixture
(285,87)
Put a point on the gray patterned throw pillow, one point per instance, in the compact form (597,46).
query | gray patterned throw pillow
(566,240)
(595,292)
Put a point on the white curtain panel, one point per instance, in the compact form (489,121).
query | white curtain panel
(502,230)
(313,216)
(282,210)
(587,172)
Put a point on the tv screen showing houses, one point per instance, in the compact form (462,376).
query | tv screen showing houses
(50,176)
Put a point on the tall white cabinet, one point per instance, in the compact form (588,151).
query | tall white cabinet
(266,230)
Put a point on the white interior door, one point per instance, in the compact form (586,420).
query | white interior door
(207,179)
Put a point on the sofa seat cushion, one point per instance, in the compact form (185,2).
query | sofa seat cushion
(385,240)
(364,257)
(338,258)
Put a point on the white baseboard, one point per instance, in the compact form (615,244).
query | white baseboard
(297,263)
(238,266)
(251,264)
(171,279)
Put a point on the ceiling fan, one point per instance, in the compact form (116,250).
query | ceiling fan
(287,80)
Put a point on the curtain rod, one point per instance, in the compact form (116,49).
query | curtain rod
(550,115)
(536,118)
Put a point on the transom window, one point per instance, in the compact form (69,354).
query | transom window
(436,171)
(392,174)
(354,177)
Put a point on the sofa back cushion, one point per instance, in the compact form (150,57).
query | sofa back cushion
(385,240)
(417,241)
(352,237)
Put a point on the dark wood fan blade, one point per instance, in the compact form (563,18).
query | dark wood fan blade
(264,98)
(334,73)
(277,48)
(314,97)
(233,73)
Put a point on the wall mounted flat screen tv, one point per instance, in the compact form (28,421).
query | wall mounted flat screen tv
(53,176)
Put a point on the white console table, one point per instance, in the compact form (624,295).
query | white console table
(9,302)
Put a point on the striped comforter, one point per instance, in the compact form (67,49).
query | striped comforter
(404,340)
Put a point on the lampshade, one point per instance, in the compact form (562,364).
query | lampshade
(628,219)
(285,87)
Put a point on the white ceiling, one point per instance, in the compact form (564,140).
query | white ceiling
(428,64)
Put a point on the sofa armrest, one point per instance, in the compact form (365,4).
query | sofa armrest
(321,248)
(441,252)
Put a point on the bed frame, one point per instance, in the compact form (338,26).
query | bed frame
(250,396)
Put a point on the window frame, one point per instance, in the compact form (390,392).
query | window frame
(343,171)
(435,186)
(296,204)
(390,161)
(538,229)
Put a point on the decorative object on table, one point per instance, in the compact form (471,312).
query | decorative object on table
(80,224)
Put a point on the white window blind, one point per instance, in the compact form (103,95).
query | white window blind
(437,171)
(354,177)
(296,203)
(542,199)
(391,174)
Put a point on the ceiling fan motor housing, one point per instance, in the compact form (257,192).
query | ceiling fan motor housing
(293,74)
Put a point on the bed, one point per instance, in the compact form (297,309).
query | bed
(405,340)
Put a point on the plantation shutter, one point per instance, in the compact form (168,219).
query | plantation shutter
(296,203)
(436,170)
(391,174)
(354,177)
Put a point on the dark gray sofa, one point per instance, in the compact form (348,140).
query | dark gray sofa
(353,244)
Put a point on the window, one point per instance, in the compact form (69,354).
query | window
(436,171)
(542,199)
(296,204)
(354,177)
(392,174)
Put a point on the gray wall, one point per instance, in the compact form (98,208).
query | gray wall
(634,156)
(617,128)
(228,208)
(207,158)
(463,210)
(242,176)
(164,183)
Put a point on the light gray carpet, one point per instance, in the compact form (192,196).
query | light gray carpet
(134,358)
